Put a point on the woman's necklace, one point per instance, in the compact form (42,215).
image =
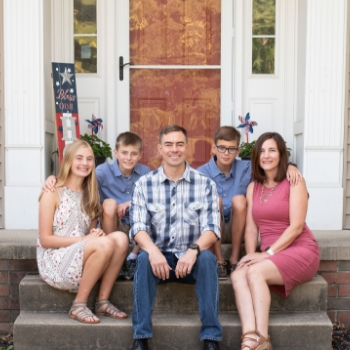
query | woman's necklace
(263,198)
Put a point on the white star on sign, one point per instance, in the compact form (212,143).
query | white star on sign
(71,91)
(57,83)
(66,76)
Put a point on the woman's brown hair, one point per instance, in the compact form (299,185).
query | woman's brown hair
(258,174)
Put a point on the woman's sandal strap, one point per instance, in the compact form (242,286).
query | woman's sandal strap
(83,314)
(110,310)
(245,335)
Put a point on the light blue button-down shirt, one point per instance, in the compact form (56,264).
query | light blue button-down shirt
(113,184)
(235,183)
(174,214)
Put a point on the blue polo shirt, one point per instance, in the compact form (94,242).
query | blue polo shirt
(235,183)
(113,184)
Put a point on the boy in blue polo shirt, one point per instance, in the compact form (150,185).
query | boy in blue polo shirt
(115,182)
(232,177)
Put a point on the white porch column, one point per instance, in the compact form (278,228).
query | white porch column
(319,127)
(28,108)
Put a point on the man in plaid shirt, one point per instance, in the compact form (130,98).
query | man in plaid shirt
(175,218)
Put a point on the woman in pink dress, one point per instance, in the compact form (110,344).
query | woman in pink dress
(289,253)
(73,254)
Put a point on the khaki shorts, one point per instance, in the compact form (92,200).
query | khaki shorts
(226,231)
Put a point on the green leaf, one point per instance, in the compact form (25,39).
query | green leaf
(99,147)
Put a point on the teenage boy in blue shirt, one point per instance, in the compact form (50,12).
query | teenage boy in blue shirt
(232,177)
(115,183)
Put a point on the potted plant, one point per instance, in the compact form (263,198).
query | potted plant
(102,150)
(246,150)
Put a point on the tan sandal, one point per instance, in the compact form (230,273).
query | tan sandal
(262,342)
(83,314)
(110,310)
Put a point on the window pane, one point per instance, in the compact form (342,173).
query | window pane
(85,36)
(85,17)
(263,56)
(264,17)
(175,32)
(188,97)
(85,49)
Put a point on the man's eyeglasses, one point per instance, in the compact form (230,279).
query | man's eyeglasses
(223,149)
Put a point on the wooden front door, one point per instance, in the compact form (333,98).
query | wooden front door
(175,46)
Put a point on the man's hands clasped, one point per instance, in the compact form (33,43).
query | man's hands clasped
(161,269)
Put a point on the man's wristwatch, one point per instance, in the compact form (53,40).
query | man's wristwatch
(195,247)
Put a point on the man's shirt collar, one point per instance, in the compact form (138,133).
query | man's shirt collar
(185,176)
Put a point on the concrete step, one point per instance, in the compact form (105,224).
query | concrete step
(36,295)
(172,331)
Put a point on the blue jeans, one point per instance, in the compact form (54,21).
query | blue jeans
(204,275)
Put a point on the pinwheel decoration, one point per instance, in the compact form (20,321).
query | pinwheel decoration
(247,125)
(95,124)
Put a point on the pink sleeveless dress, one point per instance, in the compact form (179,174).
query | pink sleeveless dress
(297,263)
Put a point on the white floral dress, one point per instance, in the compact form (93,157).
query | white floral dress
(62,267)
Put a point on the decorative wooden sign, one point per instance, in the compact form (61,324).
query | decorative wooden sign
(66,103)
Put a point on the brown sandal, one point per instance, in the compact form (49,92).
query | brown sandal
(262,342)
(83,314)
(110,310)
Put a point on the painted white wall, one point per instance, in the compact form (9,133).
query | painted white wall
(27,103)
(323,115)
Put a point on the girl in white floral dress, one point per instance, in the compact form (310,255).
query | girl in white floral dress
(72,253)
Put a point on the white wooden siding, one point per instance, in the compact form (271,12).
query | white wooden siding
(1,122)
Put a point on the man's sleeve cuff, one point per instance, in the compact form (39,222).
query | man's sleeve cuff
(214,228)
(137,228)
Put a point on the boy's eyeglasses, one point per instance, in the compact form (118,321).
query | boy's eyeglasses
(223,149)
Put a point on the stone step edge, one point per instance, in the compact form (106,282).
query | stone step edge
(21,244)
(36,295)
(172,331)
(170,318)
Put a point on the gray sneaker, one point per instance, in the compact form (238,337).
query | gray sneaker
(129,269)
(222,272)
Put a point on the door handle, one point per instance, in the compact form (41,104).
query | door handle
(121,66)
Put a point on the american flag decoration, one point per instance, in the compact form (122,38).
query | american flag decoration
(247,125)
(66,105)
(95,125)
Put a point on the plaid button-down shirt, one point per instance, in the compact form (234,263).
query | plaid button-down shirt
(174,214)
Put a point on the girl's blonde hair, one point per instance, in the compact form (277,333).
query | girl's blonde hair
(90,203)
